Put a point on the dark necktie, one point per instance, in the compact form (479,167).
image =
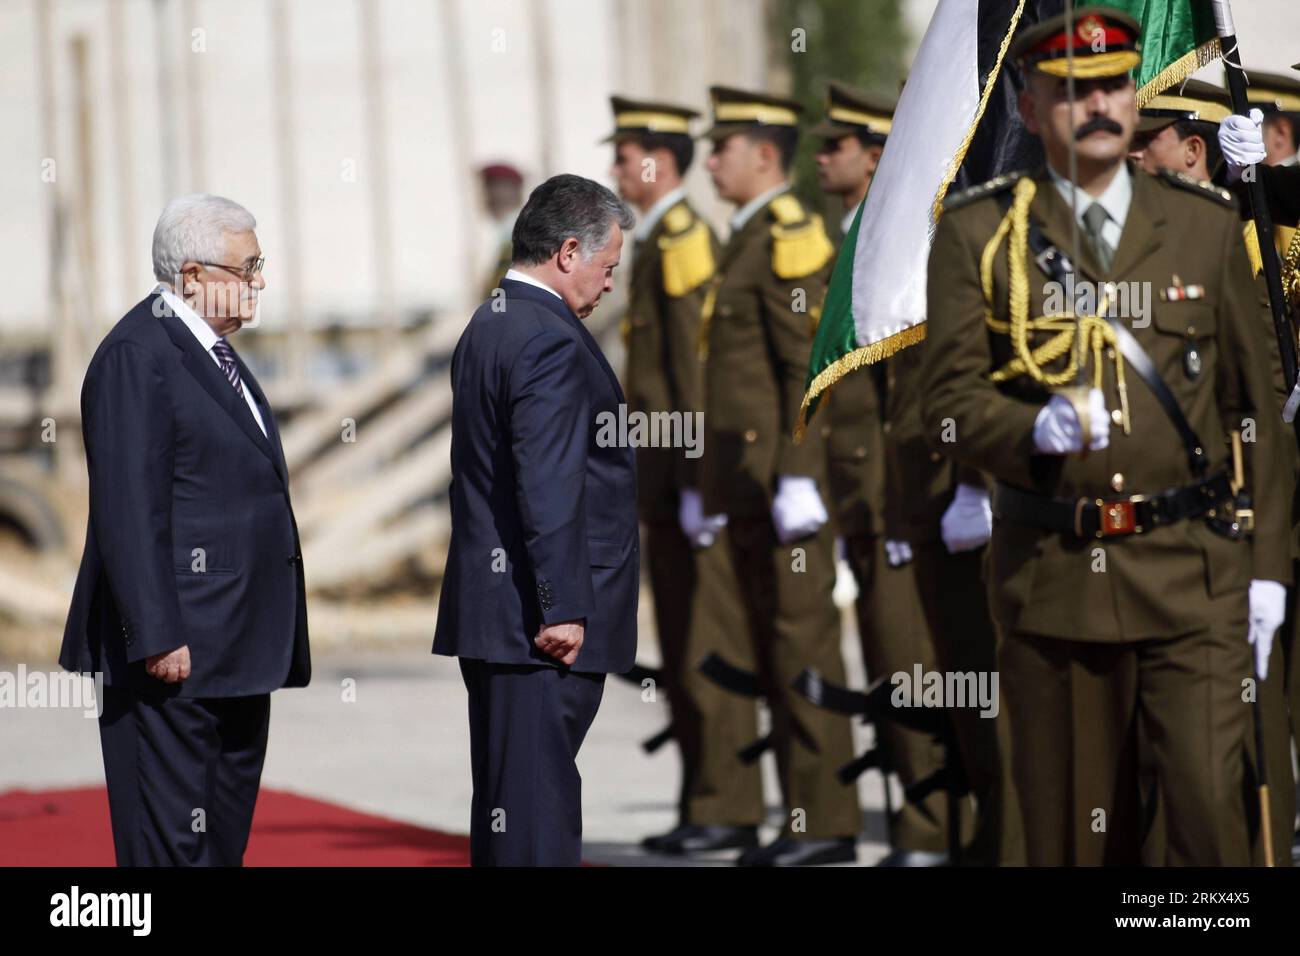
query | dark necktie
(226,356)
(1095,218)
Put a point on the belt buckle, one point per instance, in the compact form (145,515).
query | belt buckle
(1117,517)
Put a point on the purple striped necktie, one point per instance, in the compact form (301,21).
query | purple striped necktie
(226,356)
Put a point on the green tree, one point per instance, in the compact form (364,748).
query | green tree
(861,42)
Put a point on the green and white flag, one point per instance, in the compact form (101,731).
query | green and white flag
(876,301)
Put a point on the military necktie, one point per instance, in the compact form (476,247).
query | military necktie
(1095,218)
(226,356)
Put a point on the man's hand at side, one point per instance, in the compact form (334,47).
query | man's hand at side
(170,667)
(561,641)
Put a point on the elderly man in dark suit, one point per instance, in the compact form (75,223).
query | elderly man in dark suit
(540,594)
(190,597)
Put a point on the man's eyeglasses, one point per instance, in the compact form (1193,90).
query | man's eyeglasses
(247,273)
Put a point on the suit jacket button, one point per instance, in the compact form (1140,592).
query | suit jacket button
(936,457)
(751,435)
(860,452)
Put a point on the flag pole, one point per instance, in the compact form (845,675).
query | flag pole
(1286,340)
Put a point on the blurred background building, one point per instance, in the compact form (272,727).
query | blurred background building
(353,130)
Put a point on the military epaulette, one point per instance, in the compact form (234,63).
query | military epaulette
(679,218)
(1202,187)
(787,209)
(990,188)
(686,250)
(800,245)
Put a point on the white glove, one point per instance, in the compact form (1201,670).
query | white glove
(968,522)
(897,553)
(1267,609)
(700,530)
(797,509)
(1242,140)
(846,586)
(1057,431)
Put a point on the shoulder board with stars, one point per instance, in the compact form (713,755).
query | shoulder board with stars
(1201,187)
(990,188)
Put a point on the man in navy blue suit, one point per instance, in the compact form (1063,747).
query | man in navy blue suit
(190,596)
(540,594)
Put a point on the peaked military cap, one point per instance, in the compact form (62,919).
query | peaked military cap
(737,110)
(1104,42)
(640,117)
(850,111)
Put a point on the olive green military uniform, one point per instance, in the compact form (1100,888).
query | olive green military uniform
(1279,698)
(865,495)
(955,606)
(771,277)
(1100,633)
(1204,106)
(501,263)
(671,268)
(674,257)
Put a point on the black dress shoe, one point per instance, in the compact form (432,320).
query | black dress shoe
(787,851)
(656,843)
(702,838)
(914,858)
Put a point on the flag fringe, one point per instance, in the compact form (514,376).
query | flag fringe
(960,156)
(1180,70)
(869,354)
(866,355)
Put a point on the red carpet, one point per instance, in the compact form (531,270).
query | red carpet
(70,828)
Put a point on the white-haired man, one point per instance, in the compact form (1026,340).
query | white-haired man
(190,597)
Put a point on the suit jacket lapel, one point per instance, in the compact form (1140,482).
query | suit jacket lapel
(1054,218)
(268,418)
(1141,236)
(207,373)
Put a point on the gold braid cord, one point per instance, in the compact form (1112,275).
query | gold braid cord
(1291,270)
(1075,335)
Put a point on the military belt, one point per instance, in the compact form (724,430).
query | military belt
(1112,516)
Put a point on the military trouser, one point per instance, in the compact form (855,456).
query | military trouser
(1077,710)
(671,565)
(894,636)
(794,624)
(722,790)
(955,599)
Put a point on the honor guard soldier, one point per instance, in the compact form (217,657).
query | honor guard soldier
(759,327)
(866,497)
(503,197)
(1277,95)
(1124,591)
(914,526)
(674,258)
(1242,140)
(1178,131)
